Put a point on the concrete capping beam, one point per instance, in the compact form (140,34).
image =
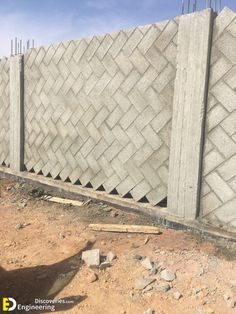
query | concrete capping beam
(189,111)
(16,113)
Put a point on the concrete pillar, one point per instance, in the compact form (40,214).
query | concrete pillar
(16,113)
(189,106)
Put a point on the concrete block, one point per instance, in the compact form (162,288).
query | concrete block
(132,42)
(91,257)
(220,187)
(215,116)
(211,161)
(225,95)
(149,38)
(139,61)
(229,124)
(104,46)
(166,36)
(118,44)
(124,63)
(225,144)
(156,59)
(228,169)
(225,17)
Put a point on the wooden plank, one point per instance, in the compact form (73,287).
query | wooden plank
(190,98)
(65,201)
(125,228)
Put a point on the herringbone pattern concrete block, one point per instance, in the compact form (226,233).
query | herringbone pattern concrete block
(98,110)
(4,111)
(219,164)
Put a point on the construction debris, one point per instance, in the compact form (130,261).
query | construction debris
(110,257)
(125,228)
(64,201)
(91,257)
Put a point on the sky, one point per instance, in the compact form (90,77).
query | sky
(52,21)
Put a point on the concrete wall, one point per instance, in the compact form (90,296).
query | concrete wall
(98,110)
(4,111)
(112,112)
(218,201)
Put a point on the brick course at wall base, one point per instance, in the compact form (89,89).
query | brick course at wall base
(109,112)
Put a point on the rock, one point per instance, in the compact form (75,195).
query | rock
(104,265)
(110,257)
(226,297)
(106,209)
(149,311)
(114,214)
(177,295)
(19,226)
(138,257)
(163,287)
(22,205)
(154,270)
(147,264)
(146,240)
(91,277)
(61,235)
(141,283)
(167,275)
(91,257)
(231,303)
(195,291)
(148,288)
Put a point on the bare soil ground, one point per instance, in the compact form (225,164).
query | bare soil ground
(40,257)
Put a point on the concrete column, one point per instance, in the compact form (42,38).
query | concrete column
(189,106)
(16,113)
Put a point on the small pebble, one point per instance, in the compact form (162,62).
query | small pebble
(177,295)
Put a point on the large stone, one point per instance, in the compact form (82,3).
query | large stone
(167,275)
(147,264)
(91,257)
(163,287)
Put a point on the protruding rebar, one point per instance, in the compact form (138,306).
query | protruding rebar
(182,7)
(188,6)
(11,47)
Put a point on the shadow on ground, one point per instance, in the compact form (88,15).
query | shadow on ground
(42,282)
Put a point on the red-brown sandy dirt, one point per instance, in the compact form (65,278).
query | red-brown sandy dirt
(41,244)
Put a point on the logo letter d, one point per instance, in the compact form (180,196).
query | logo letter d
(6,304)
